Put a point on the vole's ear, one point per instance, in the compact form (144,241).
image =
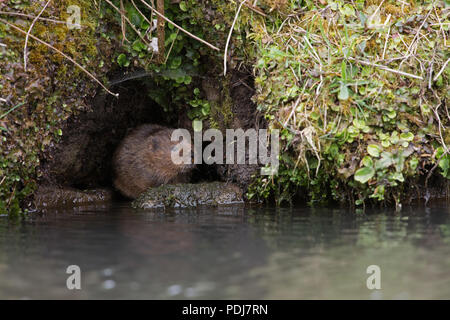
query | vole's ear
(154,142)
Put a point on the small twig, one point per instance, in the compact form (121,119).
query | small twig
(375,12)
(177,26)
(171,46)
(255,9)
(2,180)
(385,43)
(128,21)
(229,37)
(430,68)
(122,23)
(440,26)
(31,17)
(294,107)
(12,195)
(25,55)
(367,63)
(143,15)
(442,70)
(61,53)
(418,32)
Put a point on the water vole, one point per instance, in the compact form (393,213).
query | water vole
(143,160)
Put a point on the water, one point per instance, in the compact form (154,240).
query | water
(227,253)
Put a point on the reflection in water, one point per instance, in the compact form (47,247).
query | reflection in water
(228,252)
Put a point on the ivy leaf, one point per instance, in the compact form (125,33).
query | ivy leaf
(364,174)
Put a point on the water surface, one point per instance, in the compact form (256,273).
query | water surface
(227,253)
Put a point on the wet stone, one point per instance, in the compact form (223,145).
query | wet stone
(190,195)
(56,197)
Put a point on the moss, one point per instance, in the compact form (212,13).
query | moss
(222,116)
(351,129)
(52,90)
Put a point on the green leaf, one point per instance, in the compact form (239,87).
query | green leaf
(364,174)
(175,63)
(187,79)
(122,60)
(367,161)
(360,124)
(391,114)
(413,163)
(394,137)
(138,46)
(398,176)
(343,92)
(347,10)
(133,15)
(373,150)
(444,164)
(407,136)
(205,110)
(386,161)
(439,152)
(183,6)
(172,38)
(145,25)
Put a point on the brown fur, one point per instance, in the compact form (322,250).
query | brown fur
(143,160)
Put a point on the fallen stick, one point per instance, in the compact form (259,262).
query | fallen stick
(442,70)
(368,63)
